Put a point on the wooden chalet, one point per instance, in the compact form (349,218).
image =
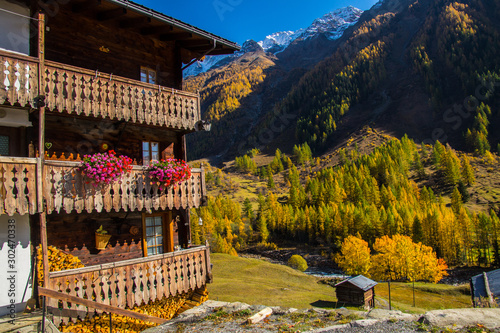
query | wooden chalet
(85,76)
(357,290)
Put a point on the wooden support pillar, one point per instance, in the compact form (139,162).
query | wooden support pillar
(169,232)
(209,264)
(41,148)
(41,109)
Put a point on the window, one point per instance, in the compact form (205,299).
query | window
(150,152)
(4,145)
(148,75)
(153,235)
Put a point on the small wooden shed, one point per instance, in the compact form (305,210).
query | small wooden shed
(485,289)
(358,290)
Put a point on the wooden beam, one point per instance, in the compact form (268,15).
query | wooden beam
(162,29)
(91,304)
(176,36)
(134,22)
(84,6)
(111,14)
(200,43)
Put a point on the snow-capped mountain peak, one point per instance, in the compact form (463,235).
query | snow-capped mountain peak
(332,25)
(279,39)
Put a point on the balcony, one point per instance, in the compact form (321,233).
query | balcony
(65,189)
(78,91)
(127,283)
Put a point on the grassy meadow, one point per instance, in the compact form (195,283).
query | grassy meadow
(256,281)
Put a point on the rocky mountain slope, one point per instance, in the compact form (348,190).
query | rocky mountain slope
(417,67)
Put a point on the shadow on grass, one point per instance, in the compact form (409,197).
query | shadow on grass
(326,304)
(333,305)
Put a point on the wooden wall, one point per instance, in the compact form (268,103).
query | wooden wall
(76,39)
(350,294)
(83,136)
(75,233)
(17,140)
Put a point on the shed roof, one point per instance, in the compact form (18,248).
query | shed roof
(359,281)
(478,286)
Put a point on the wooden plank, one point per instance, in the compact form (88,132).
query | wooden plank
(103,307)
(259,316)
(20,160)
(45,256)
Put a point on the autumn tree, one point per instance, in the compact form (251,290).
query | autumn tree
(354,256)
(400,259)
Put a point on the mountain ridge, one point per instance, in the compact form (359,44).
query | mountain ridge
(332,25)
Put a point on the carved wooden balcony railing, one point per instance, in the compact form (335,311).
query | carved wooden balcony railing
(18,189)
(65,189)
(18,79)
(130,282)
(74,90)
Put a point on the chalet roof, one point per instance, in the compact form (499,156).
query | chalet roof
(359,281)
(478,286)
(225,46)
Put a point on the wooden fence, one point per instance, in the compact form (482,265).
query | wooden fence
(130,282)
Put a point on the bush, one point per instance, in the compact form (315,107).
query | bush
(297,262)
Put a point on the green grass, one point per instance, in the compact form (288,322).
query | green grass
(428,296)
(255,281)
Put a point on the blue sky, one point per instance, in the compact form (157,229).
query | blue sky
(239,20)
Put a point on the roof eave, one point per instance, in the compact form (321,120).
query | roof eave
(231,46)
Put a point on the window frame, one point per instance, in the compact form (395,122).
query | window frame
(150,152)
(167,232)
(148,71)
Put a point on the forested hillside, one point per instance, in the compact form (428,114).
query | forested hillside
(394,188)
(424,68)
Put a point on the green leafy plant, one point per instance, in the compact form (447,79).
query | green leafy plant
(101,231)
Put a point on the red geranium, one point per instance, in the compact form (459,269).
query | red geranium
(105,167)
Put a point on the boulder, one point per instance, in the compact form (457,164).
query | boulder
(459,318)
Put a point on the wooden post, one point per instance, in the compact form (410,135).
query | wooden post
(169,232)
(41,149)
(413,293)
(203,186)
(41,109)
(199,107)
(390,307)
(209,264)
(491,302)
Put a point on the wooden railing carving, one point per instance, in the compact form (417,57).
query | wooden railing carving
(131,282)
(83,92)
(18,80)
(18,186)
(65,188)
(75,90)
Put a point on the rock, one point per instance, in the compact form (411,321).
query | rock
(331,328)
(364,322)
(319,311)
(215,304)
(235,307)
(390,314)
(459,318)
